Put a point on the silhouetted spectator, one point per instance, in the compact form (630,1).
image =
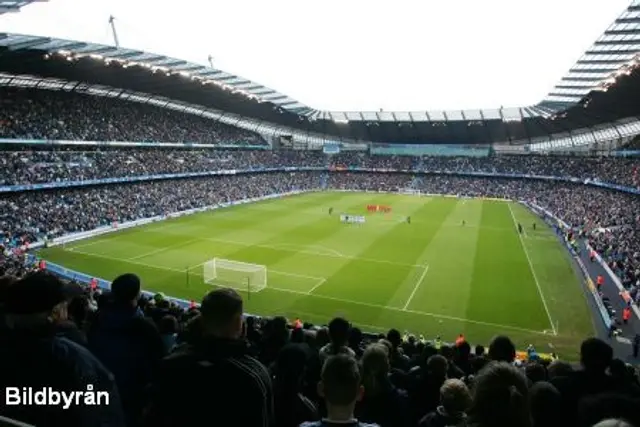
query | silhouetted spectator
(500,397)
(340,387)
(382,403)
(33,355)
(127,343)
(546,405)
(455,400)
(291,406)
(216,377)
(502,349)
(339,336)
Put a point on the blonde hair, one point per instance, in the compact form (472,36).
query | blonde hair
(375,368)
(455,396)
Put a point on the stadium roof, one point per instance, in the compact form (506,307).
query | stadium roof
(612,54)
(156,63)
(9,6)
(603,96)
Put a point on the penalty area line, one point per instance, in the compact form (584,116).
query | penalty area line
(415,288)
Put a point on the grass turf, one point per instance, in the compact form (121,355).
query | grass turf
(432,277)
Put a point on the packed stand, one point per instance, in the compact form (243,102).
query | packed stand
(616,170)
(58,115)
(30,166)
(20,164)
(165,366)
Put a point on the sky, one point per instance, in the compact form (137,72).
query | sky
(353,55)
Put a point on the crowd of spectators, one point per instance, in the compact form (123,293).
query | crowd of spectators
(29,165)
(58,115)
(165,366)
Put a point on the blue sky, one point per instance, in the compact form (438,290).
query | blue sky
(353,55)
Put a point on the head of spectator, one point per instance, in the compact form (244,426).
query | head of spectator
(595,355)
(546,405)
(339,332)
(479,350)
(463,350)
(125,290)
(386,344)
(535,372)
(37,300)
(221,311)
(613,423)
(455,398)
(559,368)
(297,335)
(340,387)
(375,369)
(500,397)
(437,367)
(394,337)
(502,349)
(277,330)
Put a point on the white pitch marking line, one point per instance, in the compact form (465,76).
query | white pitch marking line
(346,301)
(298,247)
(303,276)
(415,288)
(311,252)
(533,272)
(130,261)
(422,313)
(320,283)
(164,249)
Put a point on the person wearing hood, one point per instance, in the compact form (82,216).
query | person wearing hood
(128,344)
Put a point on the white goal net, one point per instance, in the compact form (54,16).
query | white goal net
(235,274)
(410,191)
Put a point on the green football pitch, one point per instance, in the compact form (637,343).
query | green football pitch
(433,276)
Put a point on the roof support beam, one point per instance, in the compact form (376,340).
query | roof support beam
(593,70)
(620,32)
(612,52)
(628,20)
(29,44)
(602,61)
(126,55)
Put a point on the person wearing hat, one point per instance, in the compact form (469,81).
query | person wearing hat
(33,356)
(127,343)
(214,381)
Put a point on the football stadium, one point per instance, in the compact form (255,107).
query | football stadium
(168,224)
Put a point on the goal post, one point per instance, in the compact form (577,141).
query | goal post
(235,274)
